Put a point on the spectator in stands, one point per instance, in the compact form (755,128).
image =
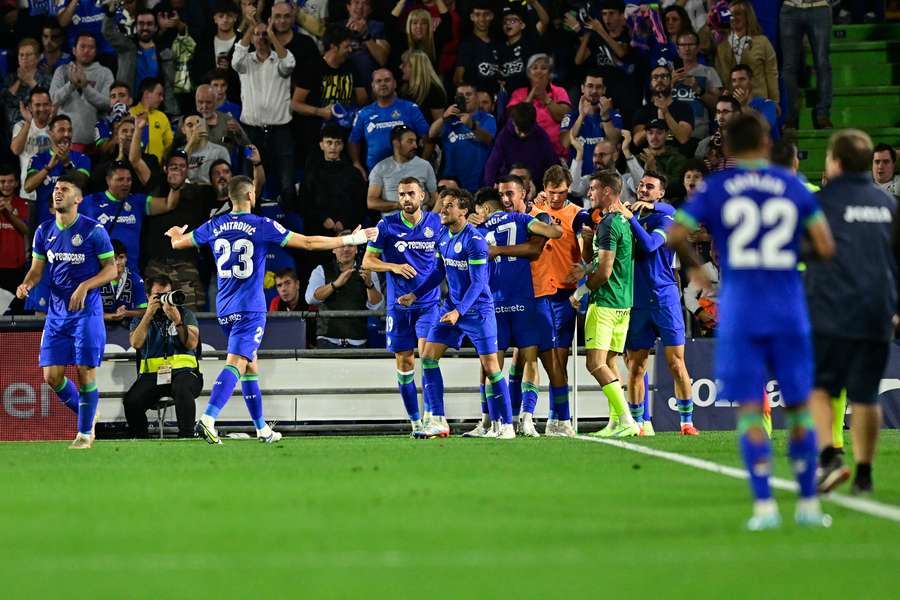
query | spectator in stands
(745,44)
(524,173)
(311,18)
(884,162)
(18,85)
(741,82)
(375,122)
(416,30)
(445,183)
(521,141)
(125,296)
(402,164)
(594,120)
(677,115)
(658,156)
(551,102)
(31,135)
(422,85)
(144,175)
(80,90)
(466,135)
(811,18)
(369,47)
(341,285)
(693,172)
(333,192)
(119,102)
(47,166)
(266,99)
(302,45)
(711,149)
(13,231)
(215,49)
(221,127)
(54,56)
(604,157)
(166,338)
(220,81)
(159,133)
(697,85)
(702,301)
(201,152)
(479,57)
(288,299)
(86,17)
(196,204)
(522,42)
(174,36)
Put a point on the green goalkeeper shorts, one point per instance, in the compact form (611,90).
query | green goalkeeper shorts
(606,328)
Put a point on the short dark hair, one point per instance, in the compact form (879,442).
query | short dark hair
(152,12)
(118,83)
(160,279)
(882,147)
(333,131)
(57,119)
(117,165)
(216,163)
(487,194)
(9,169)
(239,187)
(695,164)
(783,154)
(148,84)
(463,198)
(735,105)
(82,34)
(75,178)
(38,89)
(335,35)
(742,67)
(511,179)
(853,149)
(596,74)
(520,166)
(399,130)
(409,181)
(524,116)
(744,133)
(119,248)
(286,272)
(608,178)
(482,5)
(217,73)
(662,179)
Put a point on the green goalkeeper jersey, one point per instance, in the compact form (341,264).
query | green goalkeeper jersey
(614,234)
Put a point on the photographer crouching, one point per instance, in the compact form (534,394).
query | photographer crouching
(166,338)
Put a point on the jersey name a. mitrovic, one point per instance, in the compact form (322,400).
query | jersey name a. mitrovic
(73,255)
(756,217)
(511,283)
(239,242)
(458,251)
(399,242)
(654,272)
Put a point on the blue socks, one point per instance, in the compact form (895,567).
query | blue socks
(68,394)
(253,399)
(685,410)
(802,451)
(560,402)
(529,396)
(491,403)
(515,390)
(484,403)
(406,381)
(637,412)
(646,415)
(502,402)
(757,455)
(433,386)
(221,390)
(87,407)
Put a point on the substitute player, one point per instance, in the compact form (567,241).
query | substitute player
(610,283)
(80,258)
(657,310)
(513,293)
(468,310)
(852,300)
(405,250)
(756,215)
(238,240)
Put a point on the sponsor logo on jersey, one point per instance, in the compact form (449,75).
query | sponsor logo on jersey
(76,258)
(232,318)
(123,219)
(402,246)
(516,308)
(462,265)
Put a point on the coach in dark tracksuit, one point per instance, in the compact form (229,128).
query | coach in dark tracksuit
(852,300)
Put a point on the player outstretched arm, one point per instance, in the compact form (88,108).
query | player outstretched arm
(543,229)
(552,231)
(32,277)
(320,242)
(372,262)
(179,240)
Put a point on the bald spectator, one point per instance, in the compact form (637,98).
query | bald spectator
(222,128)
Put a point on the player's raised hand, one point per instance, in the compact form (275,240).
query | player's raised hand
(404,271)
(22,291)
(176,231)
(406,299)
(451,317)
(76,301)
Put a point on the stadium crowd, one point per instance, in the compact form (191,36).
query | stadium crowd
(329,105)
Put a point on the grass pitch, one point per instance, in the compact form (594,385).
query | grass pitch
(394,517)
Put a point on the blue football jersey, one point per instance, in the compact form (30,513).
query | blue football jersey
(756,218)
(73,256)
(43,192)
(510,275)
(129,218)
(399,241)
(458,251)
(374,123)
(590,134)
(239,242)
(654,270)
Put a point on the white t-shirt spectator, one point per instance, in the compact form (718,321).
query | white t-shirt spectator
(387,173)
(38,141)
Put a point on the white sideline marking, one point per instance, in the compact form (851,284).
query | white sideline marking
(863,505)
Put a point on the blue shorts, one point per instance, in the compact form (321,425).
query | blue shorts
(244,331)
(564,317)
(516,326)
(77,341)
(544,324)
(479,327)
(663,321)
(406,326)
(743,365)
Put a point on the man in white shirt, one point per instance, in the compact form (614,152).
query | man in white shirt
(266,100)
(387,173)
(31,135)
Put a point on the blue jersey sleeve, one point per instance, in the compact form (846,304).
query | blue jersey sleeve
(488,123)
(101,244)
(39,249)
(377,245)
(582,219)
(82,164)
(203,234)
(138,293)
(272,232)
(38,162)
(479,274)
(417,120)
(357,134)
(568,120)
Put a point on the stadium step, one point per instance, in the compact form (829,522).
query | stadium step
(882,95)
(861,53)
(860,117)
(858,75)
(865,33)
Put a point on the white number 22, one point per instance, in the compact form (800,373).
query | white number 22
(778,215)
(243,251)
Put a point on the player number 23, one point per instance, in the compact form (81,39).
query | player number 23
(243,252)
(777,215)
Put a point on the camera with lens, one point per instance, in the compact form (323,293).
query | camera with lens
(173,298)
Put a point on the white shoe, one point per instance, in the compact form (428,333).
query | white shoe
(765,516)
(426,420)
(206,428)
(565,429)
(551,428)
(82,441)
(268,436)
(416,426)
(506,432)
(439,428)
(494,431)
(809,514)
(94,424)
(527,427)
(479,431)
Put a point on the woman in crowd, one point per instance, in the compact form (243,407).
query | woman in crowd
(550,101)
(747,45)
(417,32)
(422,85)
